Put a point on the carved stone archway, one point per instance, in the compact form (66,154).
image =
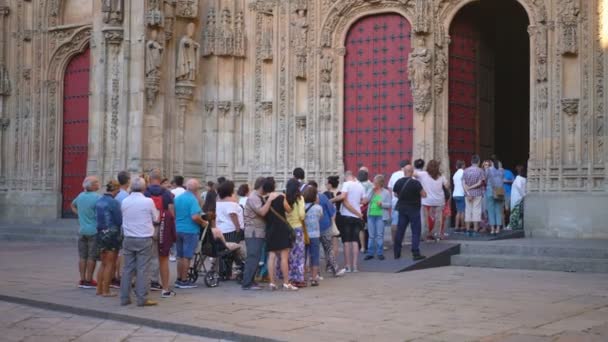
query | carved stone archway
(342,15)
(75,43)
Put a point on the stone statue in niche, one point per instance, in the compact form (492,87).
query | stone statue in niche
(154,55)
(209,34)
(266,36)
(300,41)
(239,35)
(226,37)
(186,8)
(187,56)
(327,65)
(420,74)
(423,16)
(568,25)
(112,11)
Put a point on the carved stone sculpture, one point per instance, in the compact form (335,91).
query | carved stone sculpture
(266,50)
(225,43)
(112,11)
(5,83)
(326,70)
(420,73)
(239,35)
(154,55)
(155,15)
(186,8)
(568,26)
(423,16)
(187,56)
(440,69)
(209,34)
(570,108)
(300,41)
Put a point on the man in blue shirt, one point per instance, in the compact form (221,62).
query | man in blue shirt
(188,223)
(84,207)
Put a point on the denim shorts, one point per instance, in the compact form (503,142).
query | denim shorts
(459,200)
(314,251)
(186,245)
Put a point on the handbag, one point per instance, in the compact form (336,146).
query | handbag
(499,193)
(446,193)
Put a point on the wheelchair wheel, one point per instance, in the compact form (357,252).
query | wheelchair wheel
(212,279)
(192,275)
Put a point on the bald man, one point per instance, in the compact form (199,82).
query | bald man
(410,193)
(84,207)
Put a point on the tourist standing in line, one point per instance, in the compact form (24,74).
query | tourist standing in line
(507,184)
(295,218)
(229,219)
(495,196)
(410,193)
(109,223)
(84,207)
(256,208)
(138,216)
(163,200)
(363,177)
(397,175)
(278,237)
(328,231)
(300,175)
(243,194)
(378,217)
(352,195)
(518,193)
(332,191)
(124,178)
(458,195)
(188,223)
(313,214)
(179,186)
(432,204)
(473,179)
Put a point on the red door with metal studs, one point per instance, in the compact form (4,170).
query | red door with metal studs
(463,104)
(378,109)
(75,128)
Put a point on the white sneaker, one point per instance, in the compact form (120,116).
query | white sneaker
(172,258)
(355,270)
(347,270)
(341,272)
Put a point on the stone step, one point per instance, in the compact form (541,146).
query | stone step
(585,265)
(38,238)
(599,251)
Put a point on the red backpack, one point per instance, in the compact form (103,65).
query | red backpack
(158,203)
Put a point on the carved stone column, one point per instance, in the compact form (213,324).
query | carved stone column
(184,91)
(570,109)
(5,84)
(113,37)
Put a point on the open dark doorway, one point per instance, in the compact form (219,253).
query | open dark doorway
(489,82)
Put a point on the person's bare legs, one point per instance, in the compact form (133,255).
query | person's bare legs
(117,267)
(355,255)
(362,240)
(107,268)
(347,255)
(285,265)
(272,260)
(82,268)
(163,265)
(182,268)
(100,274)
(90,270)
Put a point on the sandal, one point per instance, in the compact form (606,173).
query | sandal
(289,287)
(314,283)
(272,287)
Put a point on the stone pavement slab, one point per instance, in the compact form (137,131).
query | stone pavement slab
(442,304)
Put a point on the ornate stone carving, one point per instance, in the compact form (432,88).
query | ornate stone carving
(184,90)
(440,69)
(420,74)
(154,57)
(266,48)
(187,56)
(113,11)
(113,36)
(154,16)
(240,36)
(4,123)
(570,107)
(209,106)
(300,41)
(238,107)
(326,66)
(301,122)
(223,107)
(424,13)
(168,27)
(209,34)
(266,107)
(5,82)
(568,17)
(225,37)
(186,8)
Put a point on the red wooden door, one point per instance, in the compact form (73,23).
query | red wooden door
(463,97)
(75,128)
(377,97)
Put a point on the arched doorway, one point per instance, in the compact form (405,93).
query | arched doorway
(75,128)
(377,97)
(489,83)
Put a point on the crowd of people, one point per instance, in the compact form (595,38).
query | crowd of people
(141,224)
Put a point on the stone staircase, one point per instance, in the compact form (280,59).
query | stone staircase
(563,255)
(62,230)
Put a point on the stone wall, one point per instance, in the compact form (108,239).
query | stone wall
(244,88)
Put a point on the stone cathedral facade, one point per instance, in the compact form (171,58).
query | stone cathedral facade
(244,88)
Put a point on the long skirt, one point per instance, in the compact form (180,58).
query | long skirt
(516,221)
(296,258)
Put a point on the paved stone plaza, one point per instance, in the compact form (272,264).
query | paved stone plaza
(442,304)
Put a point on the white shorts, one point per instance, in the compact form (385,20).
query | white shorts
(472,212)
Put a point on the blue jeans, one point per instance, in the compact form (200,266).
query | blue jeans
(408,215)
(186,244)
(375,229)
(313,251)
(494,208)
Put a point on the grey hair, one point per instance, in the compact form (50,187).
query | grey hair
(138,184)
(192,184)
(348,174)
(379,179)
(88,182)
(155,175)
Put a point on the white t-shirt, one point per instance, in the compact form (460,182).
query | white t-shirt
(518,190)
(457,179)
(433,187)
(354,194)
(397,175)
(178,191)
(223,219)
